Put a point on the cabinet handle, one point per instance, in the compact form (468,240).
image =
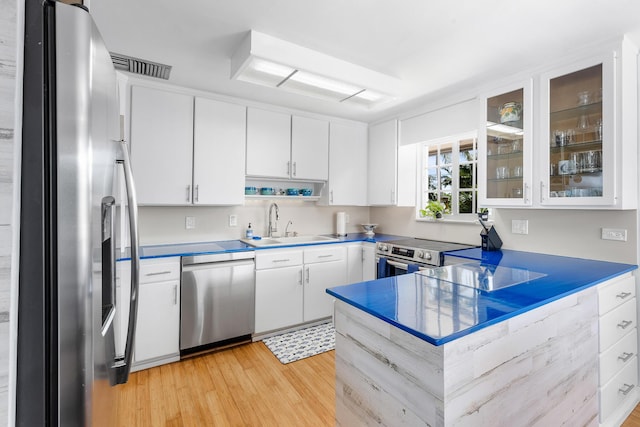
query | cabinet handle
(325,256)
(526,192)
(625,324)
(295,169)
(175,294)
(307,274)
(197,192)
(288,168)
(625,356)
(331,196)
(393,196)
(627,388)
(300,279)
(189,193)
(281,260)
(362,253)
(158,273)
(623,295)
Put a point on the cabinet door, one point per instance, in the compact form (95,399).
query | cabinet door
(505,148)
(317,278)
(268,143)
(218,153)
(278,298)
(577,165)
(309,148)
(369,271)
(161,146)
(382,173)
(354,263)
(157,333)
(347,165)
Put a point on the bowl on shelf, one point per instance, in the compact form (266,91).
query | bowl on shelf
(267,191)
(250,190)
(292,191)
(306,191)
(369,228)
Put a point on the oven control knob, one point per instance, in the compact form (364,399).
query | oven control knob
(383,247)
(424,255)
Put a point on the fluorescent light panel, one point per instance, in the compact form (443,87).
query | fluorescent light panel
(248,66)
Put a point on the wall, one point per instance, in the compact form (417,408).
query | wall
(167,224)
(560,232)
(8,49)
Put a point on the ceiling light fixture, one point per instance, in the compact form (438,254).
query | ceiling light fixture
(268,61)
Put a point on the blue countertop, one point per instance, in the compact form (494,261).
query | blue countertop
(227,246)
(440,309)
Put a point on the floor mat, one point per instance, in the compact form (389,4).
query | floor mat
(296,345)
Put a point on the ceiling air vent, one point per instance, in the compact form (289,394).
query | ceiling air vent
(140,66)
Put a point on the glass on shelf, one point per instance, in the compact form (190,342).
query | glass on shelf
(575,143)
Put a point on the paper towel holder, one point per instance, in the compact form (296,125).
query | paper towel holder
(341,224)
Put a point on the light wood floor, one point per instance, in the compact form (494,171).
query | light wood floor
(242,386)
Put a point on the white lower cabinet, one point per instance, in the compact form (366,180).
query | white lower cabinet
(361,262)
(618,348)
(291,284)
(157,339)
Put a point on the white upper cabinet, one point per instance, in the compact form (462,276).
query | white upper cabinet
(309,149)
(268,143)
(161,146)
(347,184)
(218,153)
(282,146)
(383,163)
(182,156)
(505,147)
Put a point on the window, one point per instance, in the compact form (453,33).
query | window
(449,174)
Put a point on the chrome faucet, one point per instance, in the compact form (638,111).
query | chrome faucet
(273,226)
(286,229)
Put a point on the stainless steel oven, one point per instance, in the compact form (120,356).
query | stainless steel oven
(398,257)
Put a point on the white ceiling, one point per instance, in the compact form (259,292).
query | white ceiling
(433,46)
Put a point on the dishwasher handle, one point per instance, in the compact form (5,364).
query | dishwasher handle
(217,264)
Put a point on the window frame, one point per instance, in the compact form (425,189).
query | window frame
(422,187)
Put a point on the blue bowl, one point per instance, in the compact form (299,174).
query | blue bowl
(306,191)
(267,191)
(292,191)
(250,190)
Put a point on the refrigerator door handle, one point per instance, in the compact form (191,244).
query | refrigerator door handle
(123,366)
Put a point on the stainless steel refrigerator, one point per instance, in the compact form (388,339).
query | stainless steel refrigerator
(67,369)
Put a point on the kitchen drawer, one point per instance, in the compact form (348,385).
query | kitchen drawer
(616,324)
(619,389)
(616,293)
(618,356)
(159,269)
(278,258)
(325,253)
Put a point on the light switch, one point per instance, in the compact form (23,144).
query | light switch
(520,226)
(189,222)
(233,220)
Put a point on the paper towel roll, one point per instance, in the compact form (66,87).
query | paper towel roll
(341,224)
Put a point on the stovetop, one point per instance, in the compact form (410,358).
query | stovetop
(432,245)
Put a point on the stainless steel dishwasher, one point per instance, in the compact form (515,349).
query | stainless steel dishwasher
(216,300)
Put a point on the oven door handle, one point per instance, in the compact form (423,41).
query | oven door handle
(402,266)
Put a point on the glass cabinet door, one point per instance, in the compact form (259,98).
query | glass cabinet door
(506,149)
(575,173)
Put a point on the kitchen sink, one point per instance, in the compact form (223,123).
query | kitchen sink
(284,241)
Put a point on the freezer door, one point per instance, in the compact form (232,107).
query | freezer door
(86,141)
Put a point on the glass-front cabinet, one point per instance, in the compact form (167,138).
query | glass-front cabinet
(577,133)
(505,144)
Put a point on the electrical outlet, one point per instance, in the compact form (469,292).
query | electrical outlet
(619,234)
(189,222)
(520,226)
(233,220)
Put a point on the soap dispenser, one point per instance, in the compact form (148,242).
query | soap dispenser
(249,232)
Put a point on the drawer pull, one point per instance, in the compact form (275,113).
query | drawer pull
(627,389)
(325,256)
(625,324)
(281,260)
(625,356)
(158,273)
(623,295)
